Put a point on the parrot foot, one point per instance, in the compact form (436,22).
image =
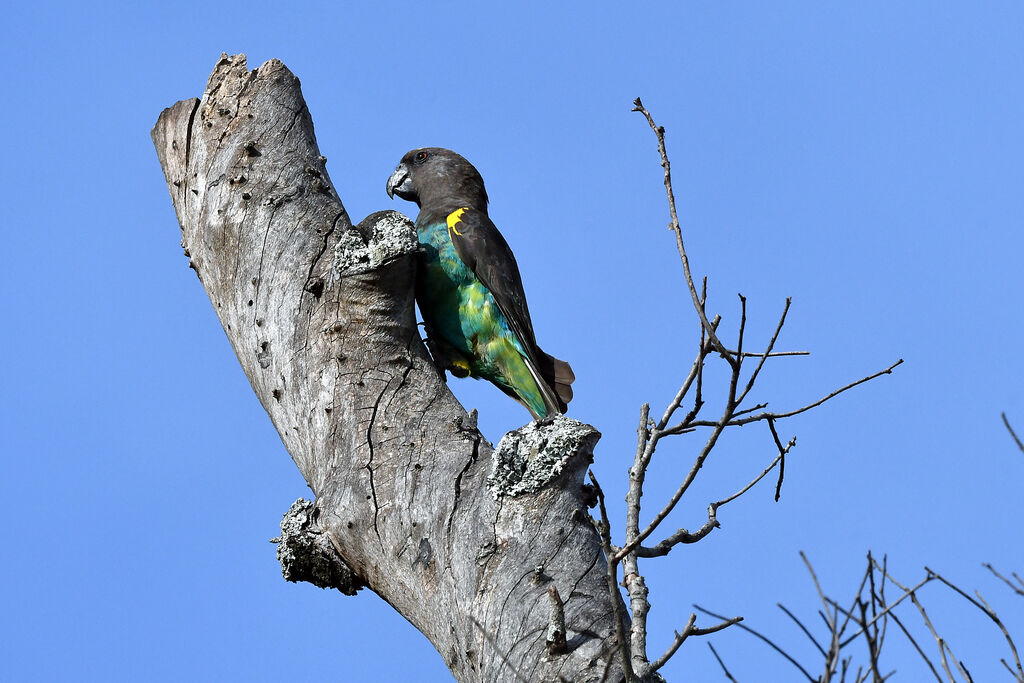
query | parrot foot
(447,358)
(547,420)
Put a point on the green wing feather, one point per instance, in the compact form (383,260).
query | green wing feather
(484,251)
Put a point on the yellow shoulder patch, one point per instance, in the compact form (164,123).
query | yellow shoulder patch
(460,368)
(454,218)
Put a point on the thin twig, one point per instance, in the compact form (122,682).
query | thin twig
(938,639)
(871,640)
(750,409)
(659,131)
(875,635)
(916,646)
(880,597)
(779,416)
(814,577)
(1014,588)
(834,649)
(831,620)
(685,537)
(782,457)
(688,631)
(991,614)
(504,658)
(676,642)
(743,327)
(613,583)
(1013,433)
(767,351)
(849,613)
(722,664)
(698,463)
(773,354)
(681,394)
(766,640)
(909,592)
(802,628)
(608,665)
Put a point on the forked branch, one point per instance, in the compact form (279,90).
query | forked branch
(650,434)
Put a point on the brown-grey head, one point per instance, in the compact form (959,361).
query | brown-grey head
(434,176)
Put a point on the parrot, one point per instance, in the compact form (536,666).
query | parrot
(468,285)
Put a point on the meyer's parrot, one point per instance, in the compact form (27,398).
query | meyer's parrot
(468,286)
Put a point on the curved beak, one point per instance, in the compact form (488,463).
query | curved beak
(400,183)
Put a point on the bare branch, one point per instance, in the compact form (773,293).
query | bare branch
(635,584)
(659,131)
(636,587)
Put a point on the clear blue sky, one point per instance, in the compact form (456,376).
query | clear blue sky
(865,159)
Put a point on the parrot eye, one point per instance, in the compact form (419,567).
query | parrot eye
(421,156)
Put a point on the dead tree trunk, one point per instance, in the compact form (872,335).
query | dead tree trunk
(464,541)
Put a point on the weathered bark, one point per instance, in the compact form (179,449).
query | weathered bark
(463,541)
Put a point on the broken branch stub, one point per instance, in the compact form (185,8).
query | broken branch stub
(306,554)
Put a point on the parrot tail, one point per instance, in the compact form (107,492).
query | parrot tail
(559,377)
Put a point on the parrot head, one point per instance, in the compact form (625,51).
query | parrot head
(432,175)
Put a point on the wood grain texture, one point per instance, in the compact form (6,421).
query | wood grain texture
(320,314)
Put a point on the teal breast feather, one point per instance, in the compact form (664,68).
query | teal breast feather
(467,323)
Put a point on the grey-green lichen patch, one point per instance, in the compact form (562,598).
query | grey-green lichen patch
(379,238)
(306,554)
(530,457)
